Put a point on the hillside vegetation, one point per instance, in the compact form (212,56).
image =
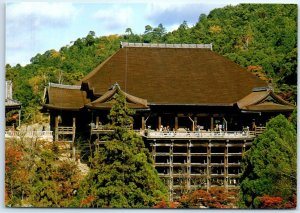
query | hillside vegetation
(260,37)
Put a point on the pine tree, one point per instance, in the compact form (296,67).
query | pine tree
(122,173)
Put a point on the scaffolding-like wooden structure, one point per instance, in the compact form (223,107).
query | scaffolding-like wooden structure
(189,163)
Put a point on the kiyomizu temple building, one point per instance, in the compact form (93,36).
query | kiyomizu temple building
(197,111)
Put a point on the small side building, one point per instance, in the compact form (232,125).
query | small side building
(12,107)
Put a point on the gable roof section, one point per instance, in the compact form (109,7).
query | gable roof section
(174,76)
(65,97)
(264,101)
(106,101)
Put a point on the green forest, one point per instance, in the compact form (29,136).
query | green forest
(262,38)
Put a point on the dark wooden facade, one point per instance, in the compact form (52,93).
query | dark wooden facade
(197,111)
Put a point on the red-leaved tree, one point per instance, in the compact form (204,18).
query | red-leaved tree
(215,197)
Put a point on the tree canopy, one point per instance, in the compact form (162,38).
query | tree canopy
(269,167)
(37,176)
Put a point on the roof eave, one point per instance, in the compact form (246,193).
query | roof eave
(279,109)
(196,104)
(109,108)
(52,107)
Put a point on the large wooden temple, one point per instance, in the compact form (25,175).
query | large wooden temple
(197,111)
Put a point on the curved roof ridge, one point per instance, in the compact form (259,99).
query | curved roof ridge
(106,97)
(135,99)
(279,99)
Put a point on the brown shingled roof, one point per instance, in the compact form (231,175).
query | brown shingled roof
(172,76)
(65,97)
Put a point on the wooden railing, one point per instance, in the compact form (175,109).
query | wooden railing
(188,134)
(259,130)
(65,134)
(101,130)
(197,134)
(43,135)
(65,130)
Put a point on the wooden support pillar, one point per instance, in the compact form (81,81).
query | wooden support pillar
(189,165)
(226,166)
(195,121)
(19,118)
(154,152)
(97,122)
(244,148)
(176,123)
(211,123)
(208,181)
(73,129)
(171,188)
(56,128)
(73,138)
(74,124)
(143,123)
(159,122)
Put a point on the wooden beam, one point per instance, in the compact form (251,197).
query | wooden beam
(159,122)
(74,128)
(97,122)
(226,166)
(193,123)
(56,128)
(73,138)
(208,172)
(189,169)
(176,123)
(19,118)
(143,122)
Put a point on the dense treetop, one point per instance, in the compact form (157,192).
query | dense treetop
(269,167)
(259,37)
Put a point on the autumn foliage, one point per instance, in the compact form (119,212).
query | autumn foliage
(13,155)
(16,174)
(87,201)
(163,204)
(215,197)
(36,177)
(258,71)
(275,202)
